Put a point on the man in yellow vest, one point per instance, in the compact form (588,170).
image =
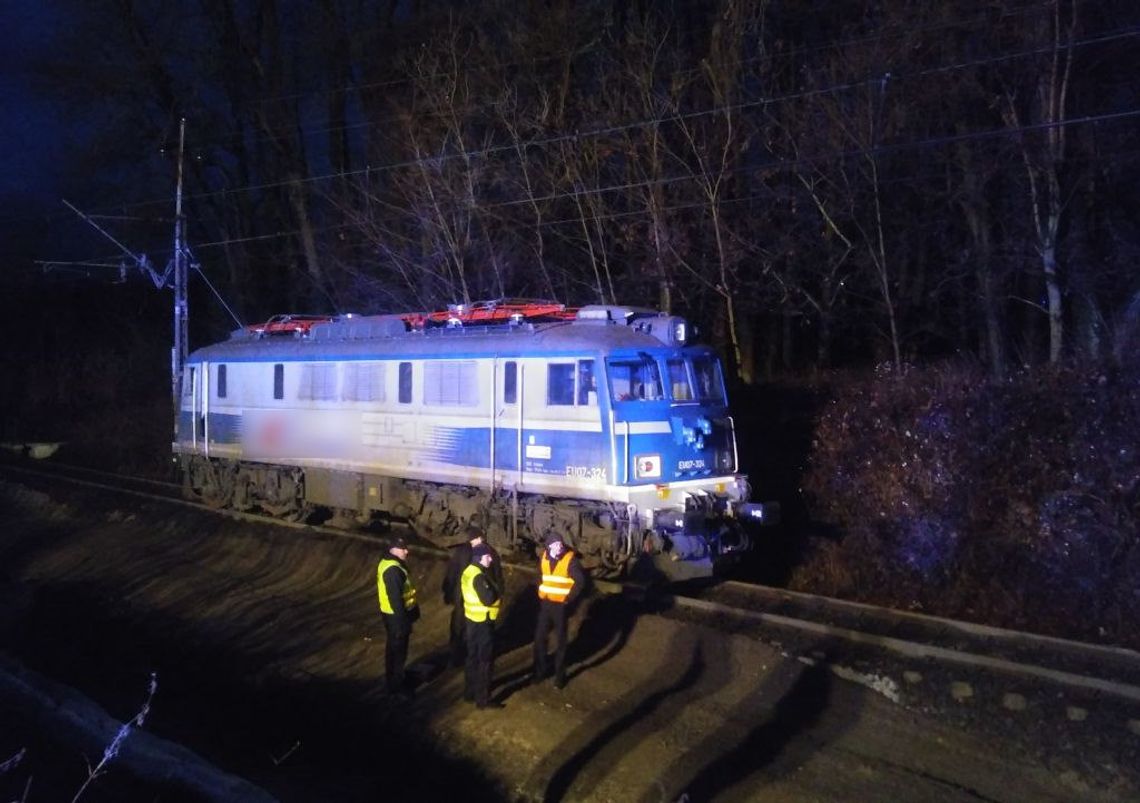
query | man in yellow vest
(399,609)
(481,602)
(457,562)
(561,582)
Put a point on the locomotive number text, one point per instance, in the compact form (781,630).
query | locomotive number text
(586,472)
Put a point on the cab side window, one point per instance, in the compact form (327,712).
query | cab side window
(405,383)
(510,382)
(560,384)
(587,387)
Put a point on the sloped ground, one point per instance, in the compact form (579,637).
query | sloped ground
(268,649)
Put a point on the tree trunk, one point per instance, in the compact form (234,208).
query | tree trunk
(1053,297)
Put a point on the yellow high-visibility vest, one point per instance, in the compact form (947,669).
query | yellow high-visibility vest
(409,594)
(473,608)
(556,580)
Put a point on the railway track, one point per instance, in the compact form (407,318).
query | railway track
(921,635)
(815,625)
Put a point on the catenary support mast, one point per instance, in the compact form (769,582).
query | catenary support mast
(181,307)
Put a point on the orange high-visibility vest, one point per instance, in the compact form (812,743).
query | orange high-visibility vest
(556,581)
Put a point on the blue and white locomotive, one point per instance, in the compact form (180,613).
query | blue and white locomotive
(603,424)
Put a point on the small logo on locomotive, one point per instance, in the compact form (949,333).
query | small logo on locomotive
(648,465)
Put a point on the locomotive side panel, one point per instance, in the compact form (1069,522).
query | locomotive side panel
(425,419)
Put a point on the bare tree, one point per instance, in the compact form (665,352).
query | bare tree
(1044,104)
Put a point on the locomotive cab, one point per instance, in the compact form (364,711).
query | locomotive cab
(677,456)
(675,450)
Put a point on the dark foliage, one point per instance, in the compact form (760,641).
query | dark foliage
(1011,502)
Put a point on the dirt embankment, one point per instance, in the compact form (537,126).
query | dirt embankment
(268,651)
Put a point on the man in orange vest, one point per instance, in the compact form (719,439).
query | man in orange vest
(399,608)
(562,581)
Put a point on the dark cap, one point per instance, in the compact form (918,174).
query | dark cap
(474,531)
(399,542)
(552,538)
(478,552)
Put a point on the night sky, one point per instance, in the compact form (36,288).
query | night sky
(34,133)
(37,136)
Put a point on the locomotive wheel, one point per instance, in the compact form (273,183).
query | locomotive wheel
(242,498)
(211,483)
(279,494)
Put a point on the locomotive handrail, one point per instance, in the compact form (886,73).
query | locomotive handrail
(288,323)
(499,311)
(735,456)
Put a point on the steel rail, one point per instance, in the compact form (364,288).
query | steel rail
(968,628)
(906,648)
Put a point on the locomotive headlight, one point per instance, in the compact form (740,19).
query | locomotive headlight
(760,512)
(753,510)
(679,332)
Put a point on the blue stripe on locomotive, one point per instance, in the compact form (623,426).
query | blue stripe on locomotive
(584,455)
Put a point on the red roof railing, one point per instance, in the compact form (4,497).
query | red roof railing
(511,310)
(480,313)
(288,324)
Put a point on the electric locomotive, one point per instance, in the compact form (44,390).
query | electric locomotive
(604,424)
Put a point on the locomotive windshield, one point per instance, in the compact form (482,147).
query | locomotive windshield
(706,373)
(679,387)
(695,379)
(635,379)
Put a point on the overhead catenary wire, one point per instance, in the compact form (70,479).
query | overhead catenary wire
(932,142)
(304,133)
(778,165)
(641,123)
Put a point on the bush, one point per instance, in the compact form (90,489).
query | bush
(1011,502)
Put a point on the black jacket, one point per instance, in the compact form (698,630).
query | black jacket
(460,559)
(484,584)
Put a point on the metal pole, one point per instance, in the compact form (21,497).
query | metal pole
(181,311)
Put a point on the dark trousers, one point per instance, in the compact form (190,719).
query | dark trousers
(458,629)
(550,615)
(395,653)
(480,661)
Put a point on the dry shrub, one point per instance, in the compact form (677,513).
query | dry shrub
(1011,502)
